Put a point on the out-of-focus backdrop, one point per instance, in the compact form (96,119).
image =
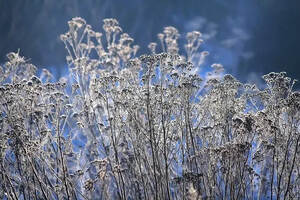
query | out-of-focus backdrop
(249,37)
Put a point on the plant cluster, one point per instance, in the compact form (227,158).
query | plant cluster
(148,127)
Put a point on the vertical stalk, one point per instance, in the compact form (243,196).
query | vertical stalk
(115,150)
(151,133)
(164,136)
(61,155)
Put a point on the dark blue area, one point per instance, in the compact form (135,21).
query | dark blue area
(250,37)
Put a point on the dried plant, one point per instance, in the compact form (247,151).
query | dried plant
(149,127)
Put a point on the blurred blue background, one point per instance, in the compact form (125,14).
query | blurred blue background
(249,37)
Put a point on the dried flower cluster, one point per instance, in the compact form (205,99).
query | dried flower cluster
(148,127)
